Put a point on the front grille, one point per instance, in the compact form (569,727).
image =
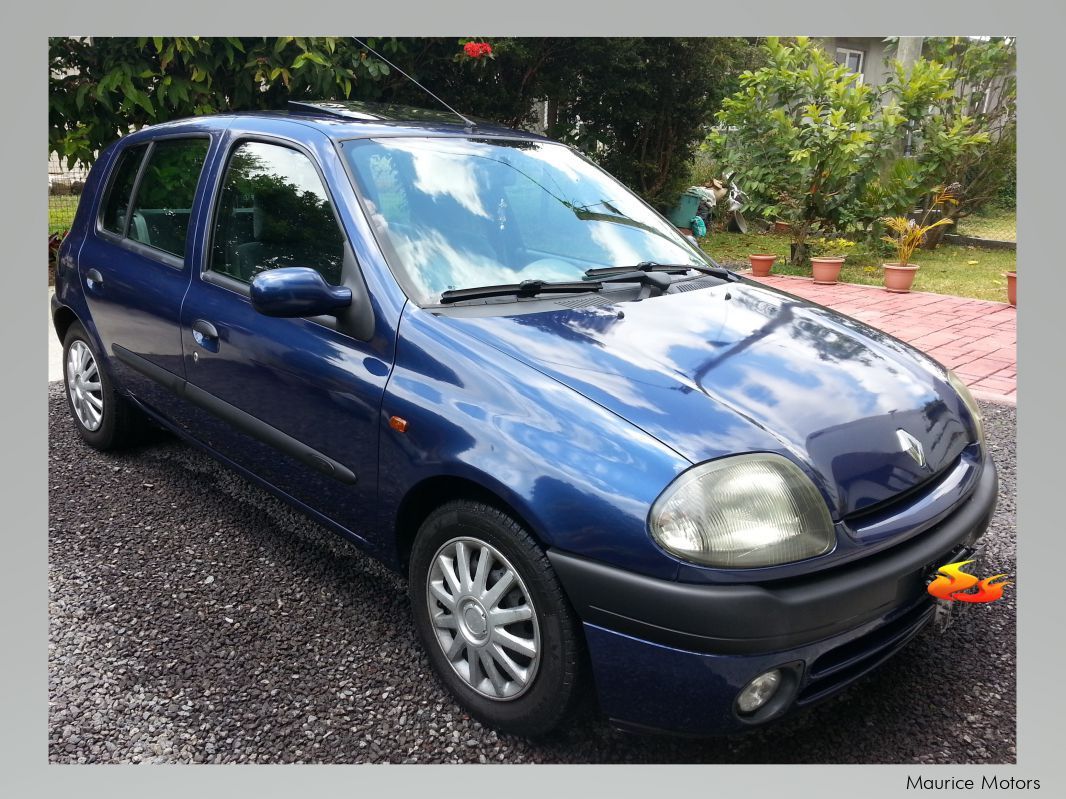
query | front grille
(847,662)
(898,502)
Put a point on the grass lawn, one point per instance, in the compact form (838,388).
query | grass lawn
(991,223)
(961,271)
(61,210)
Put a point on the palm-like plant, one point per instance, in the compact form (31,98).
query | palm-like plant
(907,235)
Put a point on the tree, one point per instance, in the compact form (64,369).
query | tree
(638,106)
(103,88)
(919,143)
(982,106)
(502,88)
(820,150)
(799,132)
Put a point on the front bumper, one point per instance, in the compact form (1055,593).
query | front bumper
(673,656)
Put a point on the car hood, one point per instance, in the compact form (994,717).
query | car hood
(738,368)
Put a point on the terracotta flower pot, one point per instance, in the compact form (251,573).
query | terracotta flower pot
(898,278)
(1012,287)
(826,270)
(761,264)
(782,227)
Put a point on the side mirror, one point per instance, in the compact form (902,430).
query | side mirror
(297,291)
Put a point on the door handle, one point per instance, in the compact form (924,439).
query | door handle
(94,279)
(205,334)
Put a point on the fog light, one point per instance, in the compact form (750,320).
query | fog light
(759,691)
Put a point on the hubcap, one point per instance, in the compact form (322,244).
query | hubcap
(483,618)
(83,383)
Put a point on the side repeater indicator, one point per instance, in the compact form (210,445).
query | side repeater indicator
(398,424)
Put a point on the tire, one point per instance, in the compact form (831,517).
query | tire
(554,675)
(119,424)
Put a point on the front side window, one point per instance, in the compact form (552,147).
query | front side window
(118,194)
(274,212)
(456,213)
(163,205)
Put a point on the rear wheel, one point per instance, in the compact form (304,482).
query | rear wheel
(103,418)
(493,618)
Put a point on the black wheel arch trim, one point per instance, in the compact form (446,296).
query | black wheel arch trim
(773,616)
(58,310)
(242,420)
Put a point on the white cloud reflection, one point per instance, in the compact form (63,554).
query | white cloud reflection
(482,220)
(440,175)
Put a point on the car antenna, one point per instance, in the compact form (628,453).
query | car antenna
(471,126)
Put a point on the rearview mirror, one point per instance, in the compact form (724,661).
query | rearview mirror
(297,291)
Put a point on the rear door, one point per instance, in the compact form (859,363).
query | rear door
(133,266)
(295,401)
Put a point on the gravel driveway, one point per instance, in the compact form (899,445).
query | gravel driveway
(195,618)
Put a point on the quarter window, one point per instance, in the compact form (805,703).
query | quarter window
(274,212)
(118,195)
(164,199)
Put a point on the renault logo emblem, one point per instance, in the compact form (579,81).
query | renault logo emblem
(911,446)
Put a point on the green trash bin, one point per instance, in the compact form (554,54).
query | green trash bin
(687,205)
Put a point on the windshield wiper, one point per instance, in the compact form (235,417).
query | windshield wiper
(527,288)
(652,266)
(652,278)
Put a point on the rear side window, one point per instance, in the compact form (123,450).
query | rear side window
(118,195)
(274,212)
(163,204)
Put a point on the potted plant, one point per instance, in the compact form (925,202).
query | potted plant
(827,257)
(794,221)
(1012,287)
(905,234)
(761,264)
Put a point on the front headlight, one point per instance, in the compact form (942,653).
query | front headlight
(743,512)
(971,405)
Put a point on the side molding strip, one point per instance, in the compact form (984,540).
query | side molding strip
(243,421)
(157,373)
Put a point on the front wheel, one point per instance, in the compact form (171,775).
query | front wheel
(493,618)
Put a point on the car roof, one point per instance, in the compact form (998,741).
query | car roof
(351,119)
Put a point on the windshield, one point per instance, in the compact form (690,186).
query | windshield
(455,213)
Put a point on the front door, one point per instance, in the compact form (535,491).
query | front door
(295,401)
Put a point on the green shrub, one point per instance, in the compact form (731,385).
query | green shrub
(814,147)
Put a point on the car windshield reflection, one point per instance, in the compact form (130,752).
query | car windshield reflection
(456,213)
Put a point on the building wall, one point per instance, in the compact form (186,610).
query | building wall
(875,70)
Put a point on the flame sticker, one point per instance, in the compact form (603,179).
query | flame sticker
(952,583)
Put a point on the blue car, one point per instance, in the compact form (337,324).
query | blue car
(605,463)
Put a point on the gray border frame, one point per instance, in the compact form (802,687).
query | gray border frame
(24,684)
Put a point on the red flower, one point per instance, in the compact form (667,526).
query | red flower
(477,49)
